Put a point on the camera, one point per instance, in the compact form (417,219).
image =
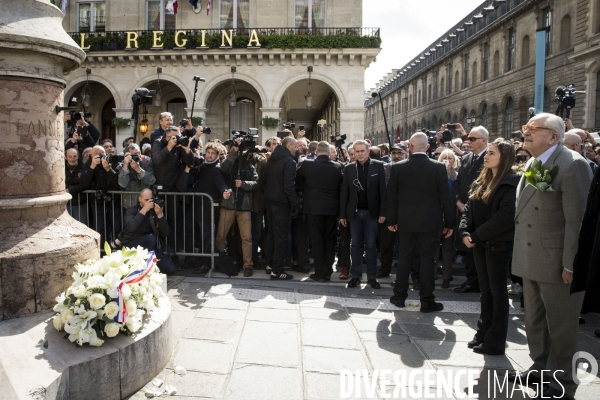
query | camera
(228,142)
(182,140)
(566,98)
(447,136)
(102,195)
(301,127)
(136,158)
(76,116)
(183,123)
(155,199)
(105,156)
(282,134)
(431,138)
(198,161)
(451,127)
(289,125)
(520,158)
(248,138)
(206,130)
(338,139)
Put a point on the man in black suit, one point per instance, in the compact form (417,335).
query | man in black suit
(470,167)
(362,206)
(418,189)
(321,180)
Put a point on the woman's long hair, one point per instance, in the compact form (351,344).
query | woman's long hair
(486,182)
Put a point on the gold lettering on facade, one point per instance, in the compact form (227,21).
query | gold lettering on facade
(253,38)
(203,38)
(132,37)
(157,44)
(225,36)
(183,40)
(82,44)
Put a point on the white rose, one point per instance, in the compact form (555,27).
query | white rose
(111,309)
(112,329)
(133,324)
(97,301)
(94,340)
(126,291)
(58,322)
(131,306)
(79,291)
(66,314)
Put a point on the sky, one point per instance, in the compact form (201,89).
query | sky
(407,28)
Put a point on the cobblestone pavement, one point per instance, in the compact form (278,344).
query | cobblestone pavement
(254,338)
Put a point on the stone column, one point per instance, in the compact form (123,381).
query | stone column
(352,123)
(39,241)
(263,132)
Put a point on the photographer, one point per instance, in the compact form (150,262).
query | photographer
(135,173)
(191,133)
(82,126)
(206,177)
(165,120)
(78,142)
(107,210)
(74,183)
(282,201)
(109,147)
(169,156)
(144,224)
(240,175)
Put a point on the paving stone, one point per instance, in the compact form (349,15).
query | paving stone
(369,313)
(442,318)
(267,382)
(196,290)
(221,313)
(225,303)
(323,387)
(321,304)
(327,333)
(372,324)
(374,336)
(180,320)
(202,356)
(326,360)
(186,304)
(397,354)
(195,384)
(282,305)
(218,330)
(441,332)
(269,343)
(458,354)
(272,315)
(323,313)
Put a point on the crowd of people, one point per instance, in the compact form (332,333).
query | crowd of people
(525,208)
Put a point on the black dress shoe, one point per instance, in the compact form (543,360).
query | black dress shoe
(374,284)
(467,289)
(381,275)
(433,307)
(315,278)
(473,343)
(397,302)
(526,378)
(354,282)
(482,350)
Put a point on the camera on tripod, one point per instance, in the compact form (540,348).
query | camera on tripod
(566,99)
(248,138)
(338,139)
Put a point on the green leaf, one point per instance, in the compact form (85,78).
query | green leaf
(129,253)
(107,249)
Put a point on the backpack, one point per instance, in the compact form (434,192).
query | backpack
(227,265)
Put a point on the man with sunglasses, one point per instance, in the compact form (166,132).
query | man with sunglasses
(362,207)
(467,173)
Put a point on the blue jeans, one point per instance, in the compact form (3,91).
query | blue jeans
(363,231)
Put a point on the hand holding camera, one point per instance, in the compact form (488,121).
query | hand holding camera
(149,206)
(95,162)
(158,210)
(106,163)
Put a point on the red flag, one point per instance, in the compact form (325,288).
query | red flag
(175,6)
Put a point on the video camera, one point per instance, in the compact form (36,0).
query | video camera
(141,96)
(431,137)
(289,125)
(566,99)
(338,139)
(248,139)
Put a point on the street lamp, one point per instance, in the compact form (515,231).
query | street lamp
(308,96)
(233,94)
(387,132)
(158,96)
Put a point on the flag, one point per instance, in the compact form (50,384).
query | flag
(207,7)
(194,3)
(64,7)
(171,7)
(175,6)
(133,277)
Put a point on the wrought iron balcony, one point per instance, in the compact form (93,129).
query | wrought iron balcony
(269,38)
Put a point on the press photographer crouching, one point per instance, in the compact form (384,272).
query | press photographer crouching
(144,224)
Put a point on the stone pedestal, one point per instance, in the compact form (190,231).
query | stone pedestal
(39,241)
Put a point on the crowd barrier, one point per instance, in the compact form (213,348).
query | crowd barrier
(104,212)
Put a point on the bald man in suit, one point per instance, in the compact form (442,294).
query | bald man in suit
(547,227)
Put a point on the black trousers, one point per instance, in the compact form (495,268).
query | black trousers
(279,224)
(322,235)
(472,278)
(423,244)
(300,236)
(386,249)
(492,268)
(344,247)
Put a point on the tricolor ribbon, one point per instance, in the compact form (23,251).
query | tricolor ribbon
(134,277)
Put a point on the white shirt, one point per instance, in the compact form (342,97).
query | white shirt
(479,155)
(546,155)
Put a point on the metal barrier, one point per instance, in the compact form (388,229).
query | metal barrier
(187,214)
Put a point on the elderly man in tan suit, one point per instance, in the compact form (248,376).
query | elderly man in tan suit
(546,234)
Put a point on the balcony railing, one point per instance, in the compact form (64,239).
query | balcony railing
(269,38)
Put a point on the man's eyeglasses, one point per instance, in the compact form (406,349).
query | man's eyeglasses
(531,128)
(474,139)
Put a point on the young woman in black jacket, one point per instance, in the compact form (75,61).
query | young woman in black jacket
(488,227)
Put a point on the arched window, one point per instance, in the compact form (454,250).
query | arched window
(565,32)
(523,112)
(484,115)
(442,87)
(525,51)
(508,118)
(510,51)
(466,72)
(494,121)
(474,72)
(496,63)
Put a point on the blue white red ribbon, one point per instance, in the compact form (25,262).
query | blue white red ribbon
(134,277)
